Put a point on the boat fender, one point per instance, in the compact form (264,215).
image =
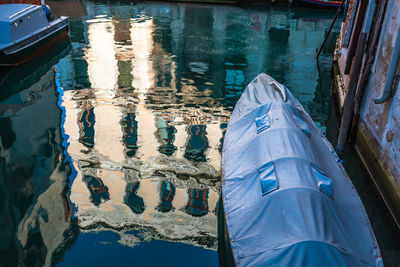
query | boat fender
(268,178)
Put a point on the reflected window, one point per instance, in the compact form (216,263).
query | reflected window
(125,77)
(234,81)
(197,143)
(132,200)
(167,193)
(277,62)
(166,136)
(198,202)
(86,125)
(130,133)
(223,127)
(98,191)
(234,78)
(163,72)
(80,65)
(198,44)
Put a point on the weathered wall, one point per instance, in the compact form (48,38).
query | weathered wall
(377,139)
(382,121)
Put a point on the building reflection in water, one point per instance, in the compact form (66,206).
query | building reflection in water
(35,210)
(98,191)
(154,182)
(198,202)
(161,83)
(197,143)
(165,135)
(86,124)
(167,193)
(130,130)
(132,200)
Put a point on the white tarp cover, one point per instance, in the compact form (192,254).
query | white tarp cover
(287,199)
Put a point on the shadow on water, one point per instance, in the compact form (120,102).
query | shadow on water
(13,80)
(225,254)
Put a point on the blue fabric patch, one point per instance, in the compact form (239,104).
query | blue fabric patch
(262,123)
(301,121)
(268,178)
(324,183)
(306,132)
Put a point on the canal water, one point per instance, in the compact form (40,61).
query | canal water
(111,143)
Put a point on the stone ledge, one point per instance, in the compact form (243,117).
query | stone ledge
(379,168)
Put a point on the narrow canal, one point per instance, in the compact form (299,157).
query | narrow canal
(111,143)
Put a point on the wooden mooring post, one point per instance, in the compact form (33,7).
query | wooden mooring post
(351,91)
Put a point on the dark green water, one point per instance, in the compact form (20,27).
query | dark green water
(110,144)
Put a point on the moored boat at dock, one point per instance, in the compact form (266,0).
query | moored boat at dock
(26,31)
(321,3)
(287,199)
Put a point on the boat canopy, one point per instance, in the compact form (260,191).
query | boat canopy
(10,11)
(287,198)
(17,21)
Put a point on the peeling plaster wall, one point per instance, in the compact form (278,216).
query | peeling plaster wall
(382,121)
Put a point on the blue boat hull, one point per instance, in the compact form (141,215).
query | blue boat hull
(33,46)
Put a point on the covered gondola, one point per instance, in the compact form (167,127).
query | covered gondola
(287,199)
